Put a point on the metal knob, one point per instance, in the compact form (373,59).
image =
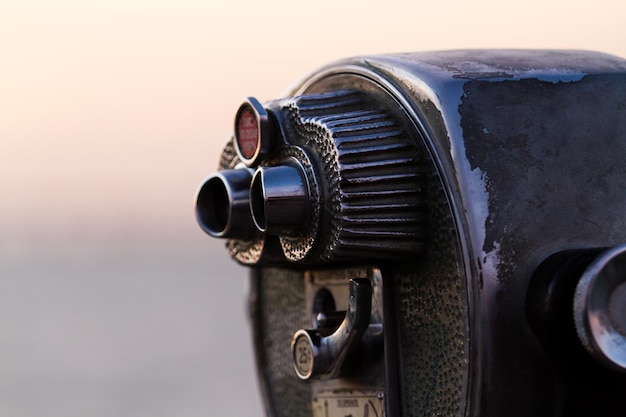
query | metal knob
(319,356)
(600,308)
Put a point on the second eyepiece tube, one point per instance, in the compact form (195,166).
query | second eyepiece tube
(234,204)
(279,199)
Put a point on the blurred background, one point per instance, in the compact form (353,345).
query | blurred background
(112,300)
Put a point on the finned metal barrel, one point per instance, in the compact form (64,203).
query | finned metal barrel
(222,205)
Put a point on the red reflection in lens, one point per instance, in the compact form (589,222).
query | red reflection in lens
(247,133)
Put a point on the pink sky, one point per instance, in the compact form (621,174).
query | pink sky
(111,113)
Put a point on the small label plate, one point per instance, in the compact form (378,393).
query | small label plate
(349,404)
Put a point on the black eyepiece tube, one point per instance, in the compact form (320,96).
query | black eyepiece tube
(279,199)
(222,205)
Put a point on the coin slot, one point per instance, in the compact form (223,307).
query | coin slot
(325,314)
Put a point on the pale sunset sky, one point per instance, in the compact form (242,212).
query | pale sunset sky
(117,108)
(112,300)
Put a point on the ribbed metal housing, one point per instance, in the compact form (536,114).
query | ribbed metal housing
(375,203)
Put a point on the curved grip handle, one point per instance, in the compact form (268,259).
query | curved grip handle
(316,356)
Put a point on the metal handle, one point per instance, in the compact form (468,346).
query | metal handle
(319,356)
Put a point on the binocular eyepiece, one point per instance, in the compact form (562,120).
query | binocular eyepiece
(434,233)
(279,199)
(241,203)
(333,176)
(223,205)
(255,197)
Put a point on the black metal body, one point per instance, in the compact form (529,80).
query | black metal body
(524,156)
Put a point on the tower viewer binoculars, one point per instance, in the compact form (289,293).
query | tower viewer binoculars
(434,234)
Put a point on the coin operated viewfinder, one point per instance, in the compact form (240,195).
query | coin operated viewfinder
(434,233)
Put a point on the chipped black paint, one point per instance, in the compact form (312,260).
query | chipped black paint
(525,153)
(554,156)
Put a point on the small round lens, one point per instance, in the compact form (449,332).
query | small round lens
(247,133)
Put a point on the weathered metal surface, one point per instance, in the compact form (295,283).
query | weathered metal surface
(522,155)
